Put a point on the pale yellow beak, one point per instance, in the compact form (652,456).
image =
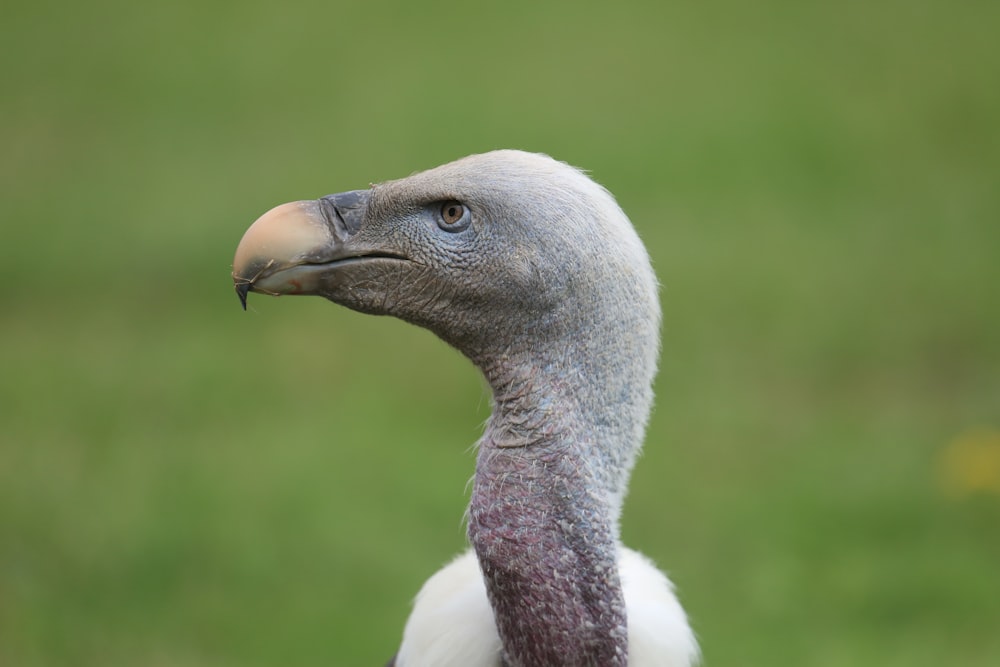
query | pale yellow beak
(278,251)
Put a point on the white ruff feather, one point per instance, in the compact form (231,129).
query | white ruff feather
(452,622)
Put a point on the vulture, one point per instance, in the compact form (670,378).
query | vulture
(532,271)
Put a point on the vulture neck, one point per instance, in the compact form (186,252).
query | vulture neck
(550,476)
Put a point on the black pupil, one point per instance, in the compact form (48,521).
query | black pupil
(453,212)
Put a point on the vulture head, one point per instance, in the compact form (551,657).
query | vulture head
(531,270)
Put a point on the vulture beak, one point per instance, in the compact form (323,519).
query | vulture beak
(289,248)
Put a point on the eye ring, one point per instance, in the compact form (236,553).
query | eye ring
(454,216)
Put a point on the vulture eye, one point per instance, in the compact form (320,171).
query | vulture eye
(454,216)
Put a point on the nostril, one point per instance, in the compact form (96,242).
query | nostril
(345,211)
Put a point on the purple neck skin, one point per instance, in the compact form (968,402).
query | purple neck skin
(541,523)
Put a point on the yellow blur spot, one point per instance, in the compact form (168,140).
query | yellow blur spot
(971,463)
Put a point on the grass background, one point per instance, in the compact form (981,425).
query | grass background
(185,484)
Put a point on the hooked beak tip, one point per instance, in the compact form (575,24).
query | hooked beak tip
(242,289)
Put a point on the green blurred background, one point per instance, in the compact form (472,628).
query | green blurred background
(184,484)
